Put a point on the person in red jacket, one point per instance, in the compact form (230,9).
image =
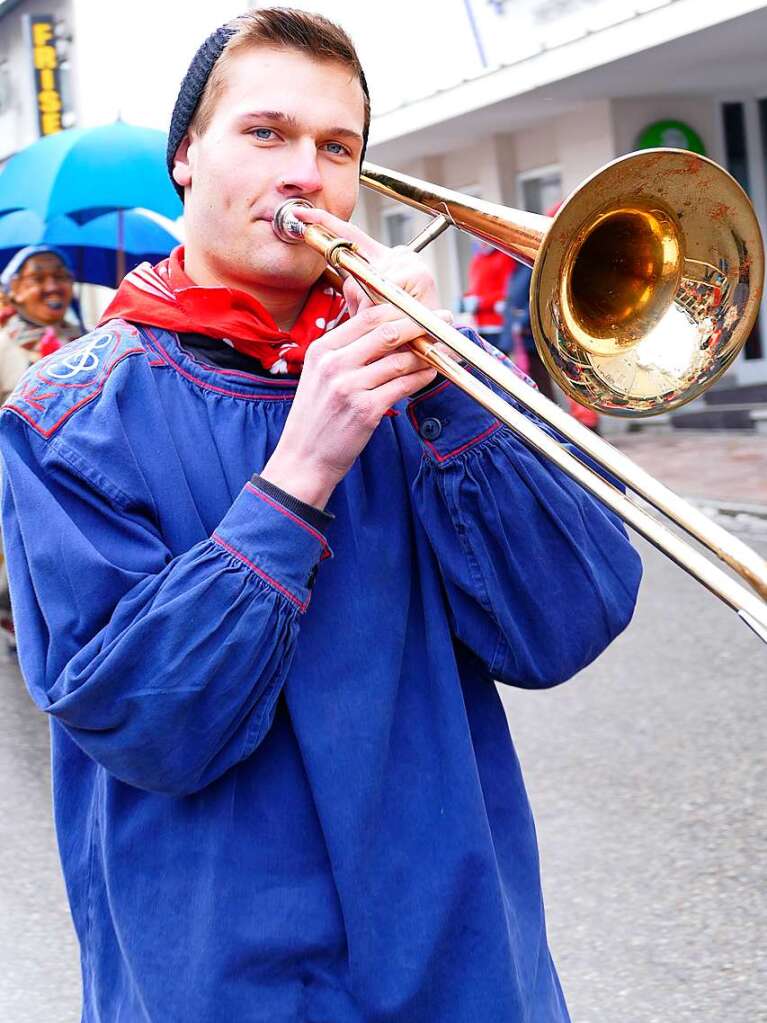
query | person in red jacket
(489,273)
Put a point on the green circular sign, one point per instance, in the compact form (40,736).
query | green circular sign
(671,135)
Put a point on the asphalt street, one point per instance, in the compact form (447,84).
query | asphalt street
(647,777)
(646,774)
(40,975)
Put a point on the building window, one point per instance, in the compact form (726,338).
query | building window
(539,189)
(398,227)
(736,149)
(735,142)
(763,137)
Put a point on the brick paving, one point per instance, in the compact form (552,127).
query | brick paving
(726,466)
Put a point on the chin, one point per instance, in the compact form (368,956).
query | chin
(47,318)
(285,266)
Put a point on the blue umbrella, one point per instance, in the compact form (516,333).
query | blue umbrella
(141,234)
(92,248)
(24,227)
(114,243)
(84,172)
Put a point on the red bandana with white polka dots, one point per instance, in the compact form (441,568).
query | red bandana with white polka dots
(164,296)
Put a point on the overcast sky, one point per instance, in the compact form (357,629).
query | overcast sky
(133,64)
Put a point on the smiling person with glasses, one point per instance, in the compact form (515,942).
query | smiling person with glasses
(38,282)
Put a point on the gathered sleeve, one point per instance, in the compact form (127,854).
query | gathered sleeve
(165,668)
(539,576)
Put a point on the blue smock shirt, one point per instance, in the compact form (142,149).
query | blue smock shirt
(285,790)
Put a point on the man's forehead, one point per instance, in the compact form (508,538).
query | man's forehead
(254,73)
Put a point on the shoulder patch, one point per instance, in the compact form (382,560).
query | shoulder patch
(57,386)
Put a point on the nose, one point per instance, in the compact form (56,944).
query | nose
(301,172)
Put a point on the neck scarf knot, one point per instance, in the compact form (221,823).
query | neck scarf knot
(165,296)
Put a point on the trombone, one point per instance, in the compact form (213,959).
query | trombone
(645,288)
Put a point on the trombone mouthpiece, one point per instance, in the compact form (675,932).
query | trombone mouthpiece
(286,224)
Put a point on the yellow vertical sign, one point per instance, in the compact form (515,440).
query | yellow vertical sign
(45,66)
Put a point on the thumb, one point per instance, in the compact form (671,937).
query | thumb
(369,248)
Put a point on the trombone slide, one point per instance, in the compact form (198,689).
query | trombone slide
(341,256)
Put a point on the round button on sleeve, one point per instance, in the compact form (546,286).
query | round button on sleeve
(430,428)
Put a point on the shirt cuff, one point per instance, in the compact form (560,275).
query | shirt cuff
(276,544)
(315,517)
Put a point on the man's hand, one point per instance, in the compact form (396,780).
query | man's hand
(400,265)
(351,377)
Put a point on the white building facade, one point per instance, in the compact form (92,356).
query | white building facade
(569,85)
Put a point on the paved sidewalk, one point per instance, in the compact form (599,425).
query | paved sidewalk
(725,467)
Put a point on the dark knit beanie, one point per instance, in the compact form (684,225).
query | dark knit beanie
(190,93)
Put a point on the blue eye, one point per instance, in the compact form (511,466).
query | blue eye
(337,149)
(265,134)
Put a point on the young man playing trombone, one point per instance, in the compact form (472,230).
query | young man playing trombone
(285,787)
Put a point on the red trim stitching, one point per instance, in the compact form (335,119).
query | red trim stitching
(258,571)
(34,398)
(294,518)
(456,451)
(475,440)
(430,394)
(211,387)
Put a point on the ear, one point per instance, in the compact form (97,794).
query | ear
(182,170)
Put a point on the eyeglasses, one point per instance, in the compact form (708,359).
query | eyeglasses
(58,276)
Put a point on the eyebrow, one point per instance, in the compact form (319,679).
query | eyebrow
(280,117)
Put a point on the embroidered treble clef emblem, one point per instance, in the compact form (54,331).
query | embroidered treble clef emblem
(82,360)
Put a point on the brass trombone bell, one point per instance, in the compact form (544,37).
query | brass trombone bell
(646,283)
